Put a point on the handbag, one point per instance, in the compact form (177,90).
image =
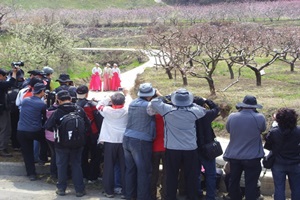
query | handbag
(268,160)
(212,150)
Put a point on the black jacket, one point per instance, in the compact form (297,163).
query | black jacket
(205,133)
(54,119)
(4,86)
(287,143)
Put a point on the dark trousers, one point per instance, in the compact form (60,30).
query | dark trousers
(189,161)
(53,168)
(14,125)
(252,170)
(113,153)
(65,156)
(157,158)
(91,158)
(26,140)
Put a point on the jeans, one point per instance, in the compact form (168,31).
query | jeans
(210,177)
(138,168)
(279,173)
(117,174)
(63,157)
(252,169)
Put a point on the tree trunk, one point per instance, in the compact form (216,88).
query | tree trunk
(184,78)
(258,77)
(211,87)
(168,72)
(230,70)
(292,66)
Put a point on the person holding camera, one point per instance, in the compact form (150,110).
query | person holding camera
(137,144)
(180,140)
(283,141)
(5,125)
(245,149)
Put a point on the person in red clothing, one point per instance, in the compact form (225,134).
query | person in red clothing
(115,80)
(91,155)
(158,156)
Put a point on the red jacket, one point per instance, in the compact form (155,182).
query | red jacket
(158,143)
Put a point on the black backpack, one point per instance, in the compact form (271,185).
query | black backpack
(71,130)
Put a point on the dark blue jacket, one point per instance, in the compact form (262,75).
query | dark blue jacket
(287,143)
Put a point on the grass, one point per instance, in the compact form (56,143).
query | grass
(80,4)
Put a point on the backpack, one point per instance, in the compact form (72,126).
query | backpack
(97,117)
(71,131)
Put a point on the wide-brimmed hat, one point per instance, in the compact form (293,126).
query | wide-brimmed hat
(38,87)
(182,97)
(146,90)
(249,102)
(81,91)
(64,78)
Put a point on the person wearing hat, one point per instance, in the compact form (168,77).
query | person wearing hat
(64,82)
(245,149)
(91,155)
(48,77)
(107,74)
(137,144)
(33,73)
(180,140)
(65,155)
(5,125)
(30,127)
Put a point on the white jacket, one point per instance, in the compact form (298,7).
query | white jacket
(114,123)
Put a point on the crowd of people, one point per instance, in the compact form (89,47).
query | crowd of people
(133,138)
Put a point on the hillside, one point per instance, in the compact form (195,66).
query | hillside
(80,4)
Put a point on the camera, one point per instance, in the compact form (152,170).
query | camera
(120,89)
(17,64)
(50,97)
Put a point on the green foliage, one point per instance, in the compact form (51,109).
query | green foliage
(217,125)
(40,45)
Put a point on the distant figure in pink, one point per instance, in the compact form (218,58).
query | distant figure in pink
(107,74)
(115,80)
(96,83)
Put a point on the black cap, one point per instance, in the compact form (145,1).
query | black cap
(3,72)
(63,95)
